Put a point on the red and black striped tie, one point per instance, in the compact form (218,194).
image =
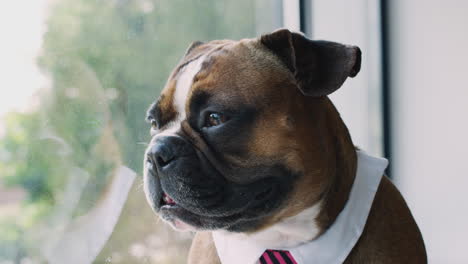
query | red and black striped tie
(277,257)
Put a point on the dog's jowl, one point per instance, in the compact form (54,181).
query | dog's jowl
(248,152)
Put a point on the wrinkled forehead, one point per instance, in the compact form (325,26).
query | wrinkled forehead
(222,69)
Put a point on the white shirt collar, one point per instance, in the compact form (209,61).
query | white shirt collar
(334,245)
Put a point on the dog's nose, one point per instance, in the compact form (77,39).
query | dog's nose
(165,150)
(163,156)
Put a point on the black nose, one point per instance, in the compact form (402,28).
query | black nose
(165,150)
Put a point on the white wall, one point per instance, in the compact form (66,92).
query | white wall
(429,53)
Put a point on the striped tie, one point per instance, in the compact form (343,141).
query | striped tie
(277,257)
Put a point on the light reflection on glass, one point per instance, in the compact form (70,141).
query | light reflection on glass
(72,130)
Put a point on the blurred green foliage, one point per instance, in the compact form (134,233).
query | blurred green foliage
(107,60)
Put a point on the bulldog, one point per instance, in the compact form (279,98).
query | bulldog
(248,151)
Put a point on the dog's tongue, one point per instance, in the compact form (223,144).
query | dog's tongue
(168,199)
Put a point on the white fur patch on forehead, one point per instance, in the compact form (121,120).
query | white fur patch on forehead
(182,90)
(184,85)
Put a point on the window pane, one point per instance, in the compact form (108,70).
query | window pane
(69,159)
(359,100)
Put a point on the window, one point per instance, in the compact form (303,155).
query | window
(69,158)
(359,101)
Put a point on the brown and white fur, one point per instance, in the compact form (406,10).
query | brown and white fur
(279,163)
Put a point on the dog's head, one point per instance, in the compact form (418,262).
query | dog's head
(240,132)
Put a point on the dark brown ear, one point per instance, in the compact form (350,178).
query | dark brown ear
(192,46)
(320,67)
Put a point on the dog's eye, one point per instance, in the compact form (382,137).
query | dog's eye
(215,119)
(154,124)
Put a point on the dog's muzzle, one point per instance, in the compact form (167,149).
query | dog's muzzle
(179,180)
(181,183)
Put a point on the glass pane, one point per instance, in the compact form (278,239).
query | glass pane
(72,152)
(359,100)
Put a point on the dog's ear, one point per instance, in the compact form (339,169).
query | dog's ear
(320,67)
(192,46)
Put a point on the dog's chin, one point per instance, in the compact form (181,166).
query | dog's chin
(181,226)
(174,215)
(181,219)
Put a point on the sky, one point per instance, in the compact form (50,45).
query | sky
(22,25)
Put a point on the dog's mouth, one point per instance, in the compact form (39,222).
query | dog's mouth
(183,217)
(178,217)
(209,202)
(167,200)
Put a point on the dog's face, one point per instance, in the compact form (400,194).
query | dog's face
(234,144)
